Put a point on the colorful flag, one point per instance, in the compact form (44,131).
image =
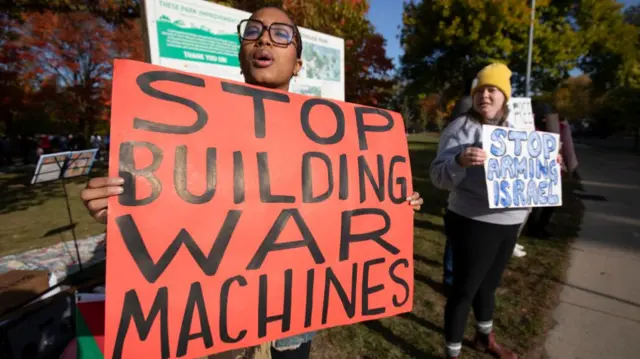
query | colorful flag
(90,325)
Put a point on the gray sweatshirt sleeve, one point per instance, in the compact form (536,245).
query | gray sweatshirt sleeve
(445,172)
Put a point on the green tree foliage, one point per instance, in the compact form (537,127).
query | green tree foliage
(610,43)
(446,42)
(620,108)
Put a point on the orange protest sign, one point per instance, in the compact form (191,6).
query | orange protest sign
(249,215)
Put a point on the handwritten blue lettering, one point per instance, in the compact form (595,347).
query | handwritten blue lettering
(553,198)
(532,168)
(493,169)
(553,172)
(518,193)
(532,193)
(521,167)
(517,137)
(534,145)
(498,147)
(543,168)
(550,144)
(543,193)
(507,166)
(506,198)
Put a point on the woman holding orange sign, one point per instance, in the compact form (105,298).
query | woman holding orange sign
(270,56)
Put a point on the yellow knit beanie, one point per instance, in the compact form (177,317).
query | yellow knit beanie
(495,74)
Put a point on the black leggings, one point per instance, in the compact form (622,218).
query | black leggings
(481,251)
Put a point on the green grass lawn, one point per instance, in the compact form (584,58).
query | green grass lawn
(35,216)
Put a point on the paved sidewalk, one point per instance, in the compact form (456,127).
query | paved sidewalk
(599,311)
(59,259)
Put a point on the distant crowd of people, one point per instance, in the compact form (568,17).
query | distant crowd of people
(26,150)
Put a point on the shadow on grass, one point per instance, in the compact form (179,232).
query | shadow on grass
(59,230)
(427,261)
(407,347)
(18,194)
(420,223)
(435,285)
(431,326)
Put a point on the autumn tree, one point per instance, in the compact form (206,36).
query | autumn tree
(73,54)
(12,91)
(574,99)
(366,64)
(114,11)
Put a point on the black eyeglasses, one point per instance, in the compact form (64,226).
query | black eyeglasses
(280,33)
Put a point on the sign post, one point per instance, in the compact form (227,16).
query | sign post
(60,166)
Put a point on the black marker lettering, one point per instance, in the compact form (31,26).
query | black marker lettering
(145,80)
(307,106)
(195,300)
(269,244)
(363,128)
(132,310)
(308,314)
(346,237)
(402,181)
(224,302)
(399,280)
(238,178)
(259,96)
(263,318)
(348,305)
(366,290)
(264,180)
(128,172)
(307,177)
(180,176)
(365,171)
(344,178)
(152,271)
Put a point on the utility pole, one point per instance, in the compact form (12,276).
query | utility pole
(528,80)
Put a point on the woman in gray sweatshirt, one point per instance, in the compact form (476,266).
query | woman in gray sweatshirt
(482,239)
